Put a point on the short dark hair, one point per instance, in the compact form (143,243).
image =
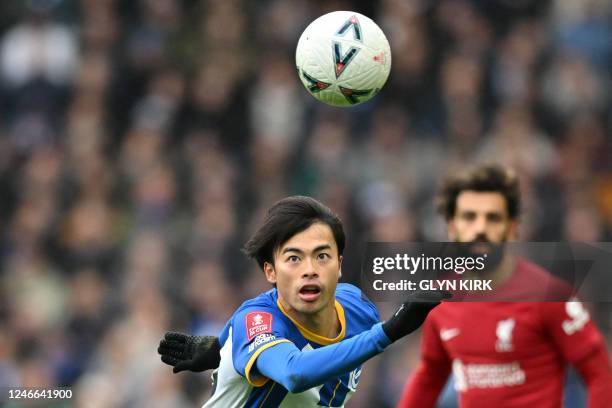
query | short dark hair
(485,178)
(286,218)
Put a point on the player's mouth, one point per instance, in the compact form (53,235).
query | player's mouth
(310,292)
(480,248)
(481,245)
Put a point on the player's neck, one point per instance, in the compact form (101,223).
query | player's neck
(324,323)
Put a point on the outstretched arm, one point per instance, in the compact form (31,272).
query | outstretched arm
(298,371)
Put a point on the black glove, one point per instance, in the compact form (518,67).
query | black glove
(412,313)
(193,353)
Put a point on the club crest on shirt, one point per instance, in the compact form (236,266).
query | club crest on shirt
(504,335)
(257,323)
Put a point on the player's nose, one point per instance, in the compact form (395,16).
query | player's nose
(309,271)
(480,226)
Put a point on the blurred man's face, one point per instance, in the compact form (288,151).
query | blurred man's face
(481,217)
(306,270)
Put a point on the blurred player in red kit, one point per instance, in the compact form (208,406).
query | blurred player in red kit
(504,354)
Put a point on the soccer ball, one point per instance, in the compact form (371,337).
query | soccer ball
(343,58)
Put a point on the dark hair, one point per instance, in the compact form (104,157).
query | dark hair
(286,218)
(486,178)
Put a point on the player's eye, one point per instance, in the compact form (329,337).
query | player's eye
(323,256)
(293,259)
(494,217)
(468,216)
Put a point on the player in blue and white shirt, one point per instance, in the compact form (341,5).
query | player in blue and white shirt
(302,343)
(263,324)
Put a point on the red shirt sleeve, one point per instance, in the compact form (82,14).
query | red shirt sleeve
(582,345)
(424,386)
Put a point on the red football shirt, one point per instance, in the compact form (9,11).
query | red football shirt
(505,354)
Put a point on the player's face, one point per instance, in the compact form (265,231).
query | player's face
(306,270)
(481,217)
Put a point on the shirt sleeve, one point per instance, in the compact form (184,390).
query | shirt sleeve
(570,326)
(298,370)
(583,346)
(596,372)
(424,386)
(253,331)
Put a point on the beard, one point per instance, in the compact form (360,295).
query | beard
(482,246)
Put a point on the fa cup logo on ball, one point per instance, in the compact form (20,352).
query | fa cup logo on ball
(343,58)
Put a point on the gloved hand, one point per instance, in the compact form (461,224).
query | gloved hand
(412,313)
(193,353)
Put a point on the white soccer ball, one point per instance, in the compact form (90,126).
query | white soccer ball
(343,58)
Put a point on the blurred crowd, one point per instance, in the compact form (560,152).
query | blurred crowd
(141,142)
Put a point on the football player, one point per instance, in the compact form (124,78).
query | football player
(504,354)
(302,343)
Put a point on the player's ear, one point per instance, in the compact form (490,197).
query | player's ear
(513,230)
(340,258)
(269,271)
